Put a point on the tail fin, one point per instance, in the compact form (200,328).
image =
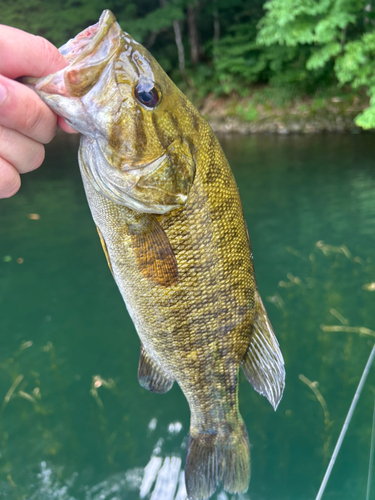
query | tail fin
(212,459)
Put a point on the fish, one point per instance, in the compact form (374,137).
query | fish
(171,224)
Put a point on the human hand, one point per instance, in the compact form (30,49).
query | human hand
(26,123)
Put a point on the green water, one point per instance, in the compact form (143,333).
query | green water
(75,424)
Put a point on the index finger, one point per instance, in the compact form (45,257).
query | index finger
(23,54)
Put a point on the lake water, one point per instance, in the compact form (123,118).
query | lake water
(75,424)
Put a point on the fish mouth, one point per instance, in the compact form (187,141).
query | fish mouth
(86,42)
(87,54)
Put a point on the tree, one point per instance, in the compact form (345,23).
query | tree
(357,66)
(337,32)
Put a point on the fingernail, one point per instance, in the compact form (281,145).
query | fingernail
(3,93)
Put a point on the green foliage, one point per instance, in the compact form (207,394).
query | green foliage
(357,67)
(241,62)
(294,22)
(338,31)
(357,63)
(321,56)
(238,62)
(322,24)
(297,47)
(155,22)
(248,113)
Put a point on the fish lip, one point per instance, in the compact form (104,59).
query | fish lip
(87,40)
(76,49)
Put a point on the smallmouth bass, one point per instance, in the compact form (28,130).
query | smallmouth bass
(170,221)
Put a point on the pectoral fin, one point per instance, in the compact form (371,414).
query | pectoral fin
(105,249)
(151,376)
(153,251)
(263,365)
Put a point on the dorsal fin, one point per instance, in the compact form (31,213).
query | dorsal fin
(151,376)
(263,364)
(153,251)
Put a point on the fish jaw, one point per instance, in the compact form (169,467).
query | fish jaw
(83,44)
(89,55)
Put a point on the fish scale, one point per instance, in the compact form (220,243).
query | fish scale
(168,332)
(170,220)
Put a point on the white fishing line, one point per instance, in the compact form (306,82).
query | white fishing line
(346,424)
(370,465)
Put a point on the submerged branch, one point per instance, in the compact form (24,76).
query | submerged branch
(314,387)
(27,396)
(362,330)
(339,316)
(330,248)
(10,392)
(327,418)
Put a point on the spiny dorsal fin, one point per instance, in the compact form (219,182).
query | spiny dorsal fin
(263,365)
(151,376)
(153,251)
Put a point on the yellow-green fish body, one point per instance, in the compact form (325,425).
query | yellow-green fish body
(170,220)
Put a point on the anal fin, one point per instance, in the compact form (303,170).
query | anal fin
(153,251)
(263,364)
(151,376)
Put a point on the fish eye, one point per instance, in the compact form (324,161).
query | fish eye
(147,95)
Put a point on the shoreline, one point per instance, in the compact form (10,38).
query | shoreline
(300,116)
(234,115)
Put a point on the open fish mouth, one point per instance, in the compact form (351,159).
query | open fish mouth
(86,42)
(87,54)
